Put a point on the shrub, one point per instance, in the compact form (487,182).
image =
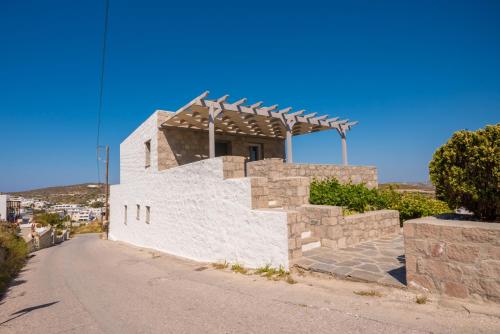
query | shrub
(414,205)
(359,198)
(14,250)
(355,197)
(466,171)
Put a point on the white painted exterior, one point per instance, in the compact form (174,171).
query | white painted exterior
(194,212)
(3,206)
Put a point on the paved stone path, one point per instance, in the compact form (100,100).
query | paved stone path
(380,261)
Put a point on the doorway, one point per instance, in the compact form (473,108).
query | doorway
(255,152)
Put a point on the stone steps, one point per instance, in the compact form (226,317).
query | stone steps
(310,243)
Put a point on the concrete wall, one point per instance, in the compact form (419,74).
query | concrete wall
(197,214)
(456,258)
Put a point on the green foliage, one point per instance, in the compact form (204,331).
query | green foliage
(358,198)
(13,252)
(414,205)
(52,219)
(355,197)
(97,204)
(466,171)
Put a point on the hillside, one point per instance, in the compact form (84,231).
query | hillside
(77,193)
(423,188)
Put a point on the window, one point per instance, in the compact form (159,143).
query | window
(147,146)
(255,152)
(125,215)
(138,212)
(148,213)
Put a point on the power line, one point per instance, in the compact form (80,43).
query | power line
(101,85)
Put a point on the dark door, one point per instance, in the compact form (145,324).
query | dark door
(221,149)
(255,152)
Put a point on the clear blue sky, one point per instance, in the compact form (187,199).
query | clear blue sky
(411,73)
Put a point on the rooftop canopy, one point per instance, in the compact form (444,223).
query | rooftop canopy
(253,120)
(221,116)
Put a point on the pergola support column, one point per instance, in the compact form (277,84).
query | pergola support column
(344,148)
(289,157)
(212,113)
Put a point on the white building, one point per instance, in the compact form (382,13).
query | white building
(3,206)
(178,194)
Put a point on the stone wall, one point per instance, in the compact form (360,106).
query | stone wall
(338,231)
(233,167)
(276,168)
(177,146)
(456,258)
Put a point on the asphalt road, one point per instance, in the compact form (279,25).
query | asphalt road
(88,285)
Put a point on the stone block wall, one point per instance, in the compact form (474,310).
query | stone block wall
(233,167)
(370,225)
(178,146)
(455,258)
(276,168)
(295,228)
(260,192)
(338,231)
(289,192)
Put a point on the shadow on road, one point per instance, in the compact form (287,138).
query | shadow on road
(27,310)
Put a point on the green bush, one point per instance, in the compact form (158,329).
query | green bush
(414,205)
(466,171)
(14,250)
(355,197)
(359,198)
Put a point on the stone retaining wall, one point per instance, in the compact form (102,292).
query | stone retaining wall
(276,168)
(338,231)
(456,258)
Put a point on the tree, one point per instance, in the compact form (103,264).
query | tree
(466,171)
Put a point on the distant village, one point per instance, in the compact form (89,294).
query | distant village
(22,210)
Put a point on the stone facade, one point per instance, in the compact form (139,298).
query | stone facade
(233,167)
(455,258)
(178,146)
(276,168)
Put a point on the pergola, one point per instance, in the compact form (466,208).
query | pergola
(221,116)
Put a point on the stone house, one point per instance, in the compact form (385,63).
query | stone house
(215,181)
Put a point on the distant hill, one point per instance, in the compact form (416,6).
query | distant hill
(424,188)
(77,193)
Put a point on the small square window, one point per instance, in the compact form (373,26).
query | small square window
(138,212)
(148,214)
(125,214)
(147,147)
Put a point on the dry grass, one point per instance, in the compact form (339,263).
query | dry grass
(275,274)
(220,265)
(238,268)
(368,293)
(421,299)
(90,228)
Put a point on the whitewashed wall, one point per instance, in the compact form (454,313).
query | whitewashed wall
(195,213)
(3,207)
(132,151)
